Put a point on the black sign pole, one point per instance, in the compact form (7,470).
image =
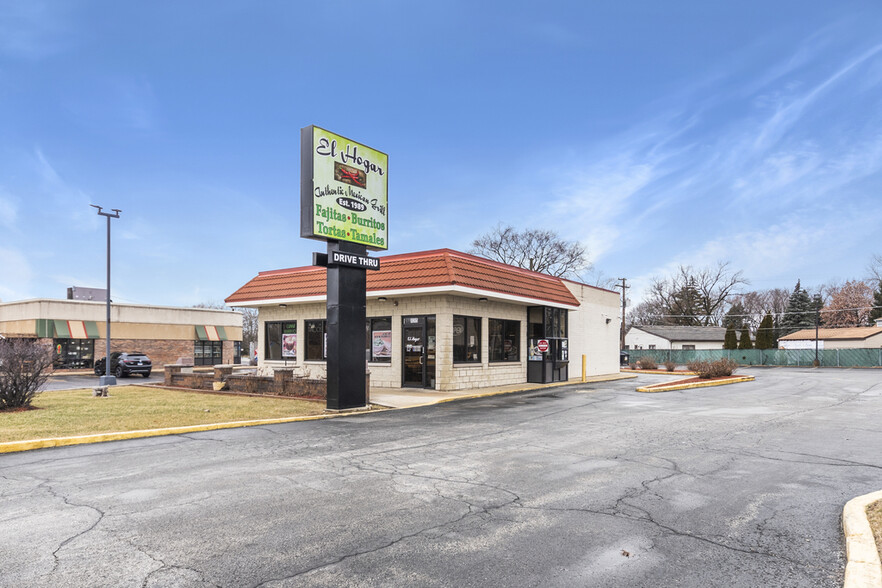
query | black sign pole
(347,287)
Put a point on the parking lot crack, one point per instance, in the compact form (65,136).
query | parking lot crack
(52,492)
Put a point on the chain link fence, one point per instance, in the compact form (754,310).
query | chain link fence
(776,357)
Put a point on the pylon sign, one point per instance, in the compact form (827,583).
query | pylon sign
(343,190)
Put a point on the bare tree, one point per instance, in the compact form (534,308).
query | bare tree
(757,303)
(695,296)
(850,305)
(535,249)
(249,326)
(874,269)
(646,313)
(24,368)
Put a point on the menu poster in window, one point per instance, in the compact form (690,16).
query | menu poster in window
(381,344)
(289,345)
(343,190)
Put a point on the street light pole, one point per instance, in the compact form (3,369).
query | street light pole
(107,379)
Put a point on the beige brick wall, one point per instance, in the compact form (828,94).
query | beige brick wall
(589,334)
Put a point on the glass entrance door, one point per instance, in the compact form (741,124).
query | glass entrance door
(414,356)
(419,351)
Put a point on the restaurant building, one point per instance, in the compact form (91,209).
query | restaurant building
(76,330)
(443,320)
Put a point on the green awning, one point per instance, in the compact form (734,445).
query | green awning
(92,330)
(200,333)
(61,330)
(221,333)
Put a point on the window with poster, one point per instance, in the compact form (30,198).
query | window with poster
(378,339)
(280,341)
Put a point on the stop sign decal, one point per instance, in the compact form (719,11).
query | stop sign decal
(542,345)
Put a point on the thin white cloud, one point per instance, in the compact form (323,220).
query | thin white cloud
(790,112)
(15,274)
(33,29)
(8,211)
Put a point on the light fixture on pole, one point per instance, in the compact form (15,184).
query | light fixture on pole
(107,379)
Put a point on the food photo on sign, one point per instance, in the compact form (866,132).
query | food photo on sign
(289,345)
(381,344)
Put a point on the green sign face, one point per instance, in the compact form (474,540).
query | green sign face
(343,190)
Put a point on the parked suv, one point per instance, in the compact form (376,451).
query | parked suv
(124,364)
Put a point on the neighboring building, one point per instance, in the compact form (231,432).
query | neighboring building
(76,329)
(849,338)
(443,320)
(675,337)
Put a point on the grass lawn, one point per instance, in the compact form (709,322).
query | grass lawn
(874,514)
(68,413)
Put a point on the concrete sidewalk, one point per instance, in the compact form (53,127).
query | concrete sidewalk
(410,397)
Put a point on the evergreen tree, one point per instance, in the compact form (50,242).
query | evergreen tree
(765,334)
(877,303)
(735,316)
(731,340)
(684,307)
(800,311)
(745,339)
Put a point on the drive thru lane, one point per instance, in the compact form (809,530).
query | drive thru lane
(594,485)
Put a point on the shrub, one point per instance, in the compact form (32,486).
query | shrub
(670,365)
(646,363)
(712,369)
(24,368)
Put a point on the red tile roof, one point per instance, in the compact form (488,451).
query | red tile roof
(424,269)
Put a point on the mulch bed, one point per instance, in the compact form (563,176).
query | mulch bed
(19,408)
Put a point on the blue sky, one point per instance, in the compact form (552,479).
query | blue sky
(656,133)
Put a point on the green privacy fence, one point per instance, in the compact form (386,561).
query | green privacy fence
(780,357)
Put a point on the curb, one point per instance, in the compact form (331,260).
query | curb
(16,446)
(675,386)
(863,569)
(525,388)
(661,372)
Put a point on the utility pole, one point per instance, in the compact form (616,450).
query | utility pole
(624,288)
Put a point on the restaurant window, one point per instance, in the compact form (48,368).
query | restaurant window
(466,339)
(316,340)
(504,339)
(208,352)
(689,347)
(280,341)
(378,339)
(74,353)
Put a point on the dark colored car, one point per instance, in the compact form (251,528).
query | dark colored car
(123,364)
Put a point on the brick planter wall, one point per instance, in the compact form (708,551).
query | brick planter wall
(282,383)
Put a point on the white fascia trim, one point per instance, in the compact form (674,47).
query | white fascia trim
(275,301)
(450,289)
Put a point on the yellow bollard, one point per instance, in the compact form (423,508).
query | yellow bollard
(584,363)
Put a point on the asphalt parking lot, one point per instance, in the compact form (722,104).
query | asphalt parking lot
(88,380)
(593,485)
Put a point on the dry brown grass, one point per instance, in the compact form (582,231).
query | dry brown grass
(874,514)
(68,413)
